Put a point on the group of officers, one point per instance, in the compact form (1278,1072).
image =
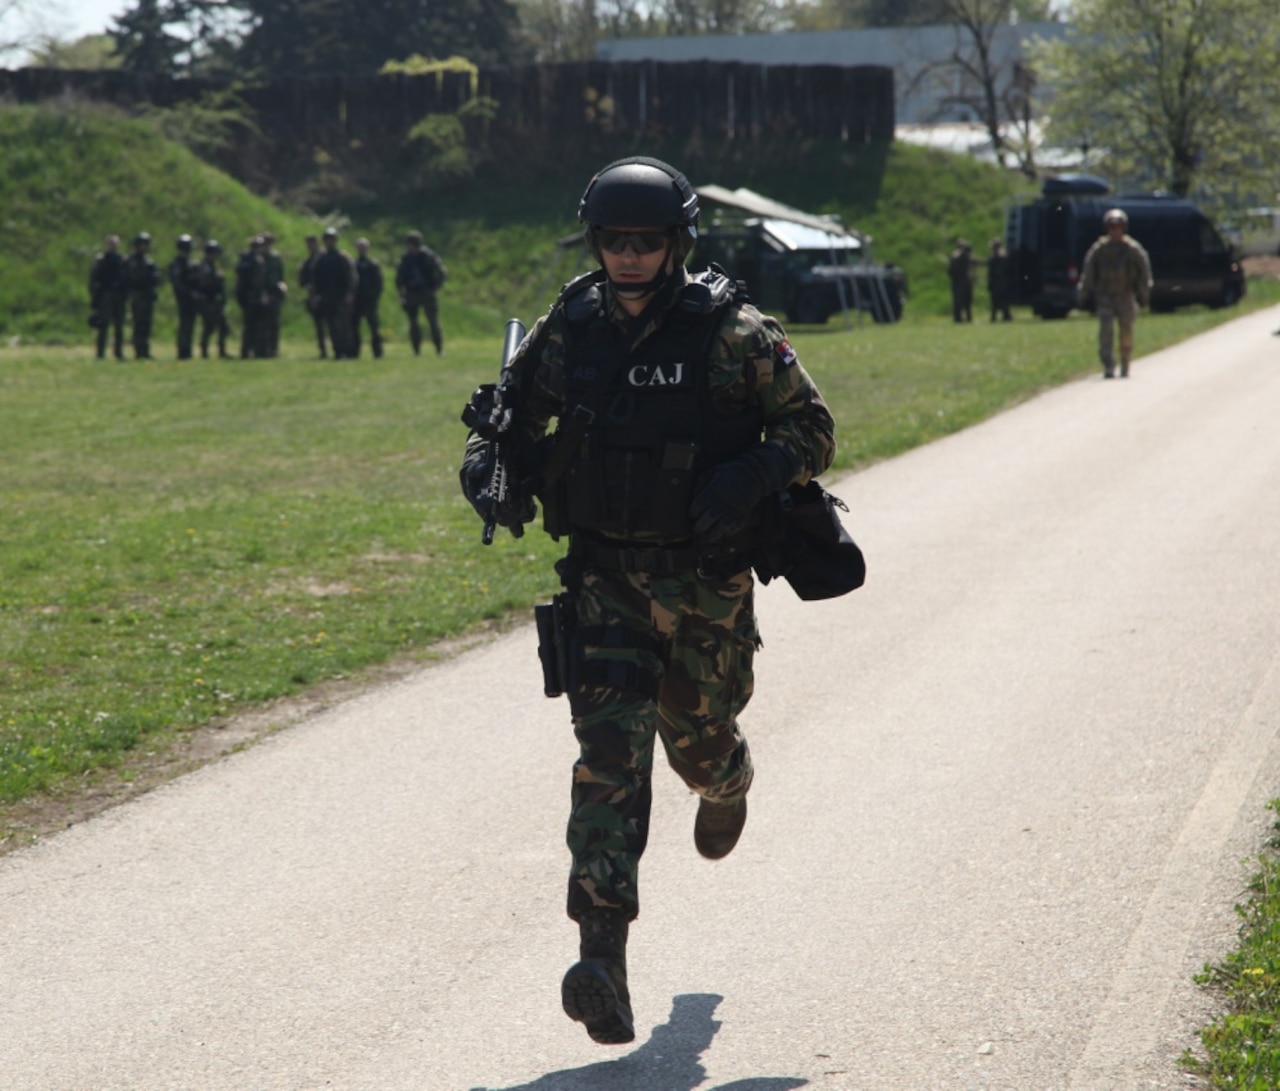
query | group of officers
(341,293)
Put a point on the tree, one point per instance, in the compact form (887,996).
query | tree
(145,38)
(92,51)
(19,31)
(338,37)
(559,30)
(262,39)
(1179,94)
(997,88)
(682,17)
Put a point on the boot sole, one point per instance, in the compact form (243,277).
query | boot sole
(588,997)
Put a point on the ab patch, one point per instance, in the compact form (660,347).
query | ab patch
(786,353)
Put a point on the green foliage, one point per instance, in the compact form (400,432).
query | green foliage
(1242,1046)
(447,146)
(418,65)
(1178,95)
(857,14)
(205,125)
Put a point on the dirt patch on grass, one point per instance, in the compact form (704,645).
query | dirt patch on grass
(152,764)
(1262,265)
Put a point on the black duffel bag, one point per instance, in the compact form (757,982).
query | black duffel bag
(813,551)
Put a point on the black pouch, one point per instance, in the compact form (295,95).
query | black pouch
(815,554)
(554,621)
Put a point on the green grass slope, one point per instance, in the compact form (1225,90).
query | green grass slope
(71,172)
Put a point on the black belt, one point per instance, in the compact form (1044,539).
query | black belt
(660,560)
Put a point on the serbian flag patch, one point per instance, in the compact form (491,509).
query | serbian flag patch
(786,353)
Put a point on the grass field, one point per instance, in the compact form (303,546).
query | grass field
(182,541)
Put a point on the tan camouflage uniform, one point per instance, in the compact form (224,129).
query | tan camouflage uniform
(665,656)
(1117,274)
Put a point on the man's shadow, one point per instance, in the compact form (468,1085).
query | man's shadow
(668,1061)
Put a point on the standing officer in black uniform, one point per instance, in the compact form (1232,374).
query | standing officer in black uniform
(683,411)
(277,289)
(108,291)
(251,294)
(182,281)
(334,279)
(419,276)
(211,300)
(306,275)
(144,282)
(368,292)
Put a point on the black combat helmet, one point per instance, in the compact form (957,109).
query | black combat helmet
(642,192)
(213,247)
(142,236)
(184,242)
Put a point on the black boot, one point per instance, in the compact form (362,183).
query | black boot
(718,826)
(594,991)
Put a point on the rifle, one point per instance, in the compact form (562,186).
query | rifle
(491,417)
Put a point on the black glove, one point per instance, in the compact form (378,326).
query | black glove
(729,496)
(476,475)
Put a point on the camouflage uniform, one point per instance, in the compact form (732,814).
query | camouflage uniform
(1117,276)
(661,654)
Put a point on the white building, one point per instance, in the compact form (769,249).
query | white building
(930,88)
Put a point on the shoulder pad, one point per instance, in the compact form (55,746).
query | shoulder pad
(710,290)
(581,298)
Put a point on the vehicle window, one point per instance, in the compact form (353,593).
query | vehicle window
(1210,241)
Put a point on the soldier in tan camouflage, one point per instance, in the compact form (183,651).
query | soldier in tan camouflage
(682,410)
(1117,278)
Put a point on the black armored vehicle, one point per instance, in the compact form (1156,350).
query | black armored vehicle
(1047,239)
(802,266)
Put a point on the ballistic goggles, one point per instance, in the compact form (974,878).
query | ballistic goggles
(640,242)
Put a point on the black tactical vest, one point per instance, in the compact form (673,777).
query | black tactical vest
(654,428)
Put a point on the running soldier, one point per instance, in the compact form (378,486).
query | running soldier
(681,411)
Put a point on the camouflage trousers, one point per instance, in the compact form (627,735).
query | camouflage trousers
(654,657)
(1115,310)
